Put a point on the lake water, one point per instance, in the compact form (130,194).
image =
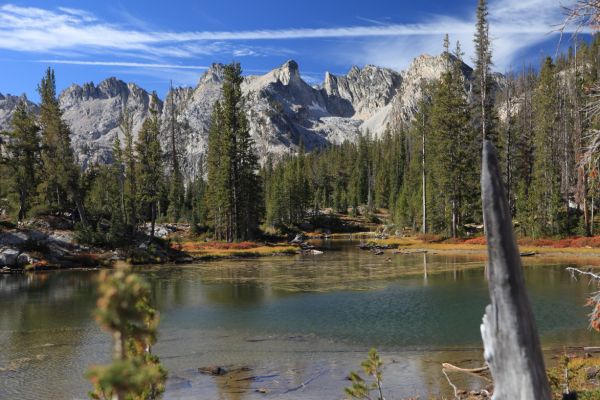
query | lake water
(300,323)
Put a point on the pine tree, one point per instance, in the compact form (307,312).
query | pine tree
(545,186)
(124,310)
(483,102)
(176,185)
(60,182)
(234,186)
(150,166)
(130,169)
(453,158)
(23,158)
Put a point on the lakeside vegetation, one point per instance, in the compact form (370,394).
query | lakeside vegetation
(427,174)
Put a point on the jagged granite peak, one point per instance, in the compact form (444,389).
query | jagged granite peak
(366,90)
(288,73)
(402,108)
(8,104)
(214,74)
(93,115)
(283,110)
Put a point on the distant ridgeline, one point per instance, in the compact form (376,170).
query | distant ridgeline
(373,137)
(283,110)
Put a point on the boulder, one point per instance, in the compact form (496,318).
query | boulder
(298,239)
(592,372)
(26,259)
(13,238)
(8,257)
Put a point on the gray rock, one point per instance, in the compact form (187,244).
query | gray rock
(13,238)
(592,372)
(26,259)
(8,257)
(8,104)
(282,109)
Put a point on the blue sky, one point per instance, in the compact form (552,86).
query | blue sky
(151,42)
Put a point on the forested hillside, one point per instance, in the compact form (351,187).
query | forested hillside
(424,170)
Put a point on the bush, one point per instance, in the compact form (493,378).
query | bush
(429,238)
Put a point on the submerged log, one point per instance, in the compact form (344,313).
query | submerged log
(511,343)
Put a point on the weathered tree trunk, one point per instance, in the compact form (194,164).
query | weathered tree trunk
(152,219)
(424,181)
(81,210)
(512,347)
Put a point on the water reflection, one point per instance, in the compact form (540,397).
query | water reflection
(291,320)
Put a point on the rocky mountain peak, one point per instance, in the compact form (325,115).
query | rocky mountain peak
(364,89)
(283,110)
(287,73)
(214,74)
(8,104)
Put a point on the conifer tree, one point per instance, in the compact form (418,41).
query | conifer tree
(176,185)
(60,182)
(23,159)
(545,186)
(483,102)
(234,186)
(124,310)
(150,166)
(130,168)
(454,156)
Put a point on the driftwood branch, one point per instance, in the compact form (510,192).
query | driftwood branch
(511,343)
(454,368)
(451,384)
(586,273)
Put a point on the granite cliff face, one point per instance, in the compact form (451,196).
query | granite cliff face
(8,104)
(283,110)
(93,114)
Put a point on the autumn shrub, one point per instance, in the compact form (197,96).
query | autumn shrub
(429,238)
(480,240)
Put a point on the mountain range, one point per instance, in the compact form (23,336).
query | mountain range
(284,111)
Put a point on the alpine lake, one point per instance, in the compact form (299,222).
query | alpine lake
(287,327)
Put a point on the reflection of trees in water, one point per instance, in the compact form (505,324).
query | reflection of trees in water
(243,294)
(169,287)
(45,319)
(42,301)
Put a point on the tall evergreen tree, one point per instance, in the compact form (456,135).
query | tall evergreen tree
(454,157)
(60,182)
(483,103)
(130,168)
(176,185)
(234,186)
(545,186)
(23,159)
(150,166)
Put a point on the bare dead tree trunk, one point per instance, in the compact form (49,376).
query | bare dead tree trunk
(512,347)
(424,182)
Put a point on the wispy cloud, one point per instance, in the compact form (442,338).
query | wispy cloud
(515,25)
(124,64)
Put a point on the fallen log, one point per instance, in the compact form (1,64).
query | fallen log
(511,343)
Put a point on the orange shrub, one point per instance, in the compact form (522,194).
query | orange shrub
(480,240)
(429,237)
(195,246)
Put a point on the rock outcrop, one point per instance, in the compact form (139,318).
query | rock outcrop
(8,104)
(93,114)
(284,111)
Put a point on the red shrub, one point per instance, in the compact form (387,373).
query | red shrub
(480,240)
